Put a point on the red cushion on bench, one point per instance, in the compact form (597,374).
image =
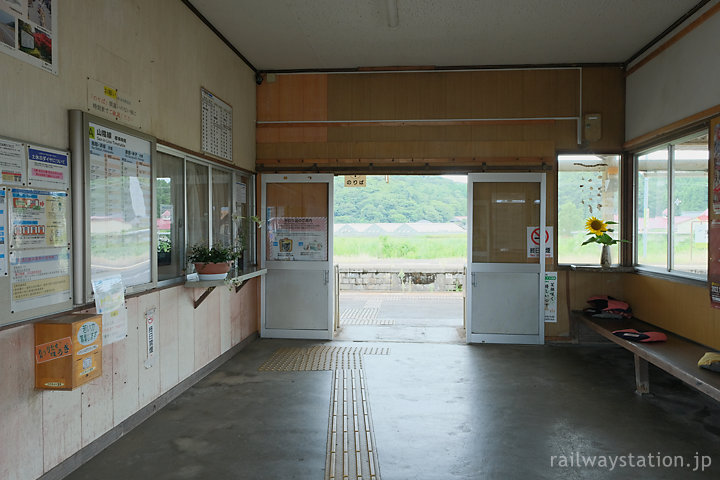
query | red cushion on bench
(643,337)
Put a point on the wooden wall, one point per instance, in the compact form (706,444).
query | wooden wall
(386,99)
(40,429)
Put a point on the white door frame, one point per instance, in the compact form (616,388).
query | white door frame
(485,268)
(324,334)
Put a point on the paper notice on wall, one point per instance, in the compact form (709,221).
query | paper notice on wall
(38,218)
(550,297)
(110,302)
(151,337)
(12,163)
(48,168)
(533,242)
(298,238)
(109,293)
(3,246)
(39,278)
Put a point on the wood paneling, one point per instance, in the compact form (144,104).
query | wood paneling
(384,97)
(685,309)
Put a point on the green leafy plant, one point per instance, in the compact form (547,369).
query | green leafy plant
(218,253)
(164,245)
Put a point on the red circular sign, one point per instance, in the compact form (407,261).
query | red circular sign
(535,236)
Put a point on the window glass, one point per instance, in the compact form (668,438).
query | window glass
(170,212)
(198,224)
(690,205)
(652,208)
(246,229)
(588,186)
(221,207)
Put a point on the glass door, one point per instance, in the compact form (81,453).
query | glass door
(297,295)
(506,212)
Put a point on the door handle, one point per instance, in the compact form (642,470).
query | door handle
(326,276)
(474,281)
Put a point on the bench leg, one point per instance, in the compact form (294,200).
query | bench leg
(642,379)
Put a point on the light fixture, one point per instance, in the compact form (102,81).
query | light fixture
(392,12)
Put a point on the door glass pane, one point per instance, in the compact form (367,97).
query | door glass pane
(652,208)
(690,205)
(221,208)
(170,212)
(297,221)
(502,213)
(197,204)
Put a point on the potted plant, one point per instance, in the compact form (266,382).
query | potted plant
(598,233)
(212,263)
(164,251)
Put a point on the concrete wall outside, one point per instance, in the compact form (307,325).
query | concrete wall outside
(397,279)
(159,53)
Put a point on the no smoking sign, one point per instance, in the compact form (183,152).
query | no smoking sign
(533,242)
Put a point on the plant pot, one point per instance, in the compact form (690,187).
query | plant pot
(164,258)
(605,257)
(212,271)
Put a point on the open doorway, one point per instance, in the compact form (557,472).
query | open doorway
(400,250)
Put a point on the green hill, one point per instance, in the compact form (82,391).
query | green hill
(407,198)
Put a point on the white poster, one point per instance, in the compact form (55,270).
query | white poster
(12,162)
(151,336)
(38,218)
(28,31)
(48,168)
(550,297)
(110,302)
(298,238)
(120,205)
(108,102)
(39,278)
(216,127)
(3,246)
(533,242)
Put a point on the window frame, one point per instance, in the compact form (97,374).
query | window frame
(234,173)
(668,271)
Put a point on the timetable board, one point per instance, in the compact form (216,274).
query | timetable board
(216,126)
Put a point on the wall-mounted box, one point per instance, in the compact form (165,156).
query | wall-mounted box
(68,351)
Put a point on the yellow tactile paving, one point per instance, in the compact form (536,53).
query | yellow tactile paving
(350,449)
(319,357)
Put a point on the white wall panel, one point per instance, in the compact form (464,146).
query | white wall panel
(224,318)
(21,420)
(96,408)
(679,82)
(125,368)
(148,371)
(186,333)
(62,428)
(168,338)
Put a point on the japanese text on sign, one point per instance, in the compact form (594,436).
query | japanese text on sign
(533,242)
(355,181)
(53,350)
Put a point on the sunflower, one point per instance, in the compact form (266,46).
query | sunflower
(596,226)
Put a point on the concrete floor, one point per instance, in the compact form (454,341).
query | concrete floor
(439,411)
(427,317)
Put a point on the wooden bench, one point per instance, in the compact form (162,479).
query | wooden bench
(677,356)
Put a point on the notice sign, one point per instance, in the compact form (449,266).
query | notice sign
(151,336)
(298,238)
(28,31)
(533,242)
(12,163)
(110,302)
(3,246)
(38,218)
(355,181)
(108,102)
(39,278)
(48,168)
(550,297)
